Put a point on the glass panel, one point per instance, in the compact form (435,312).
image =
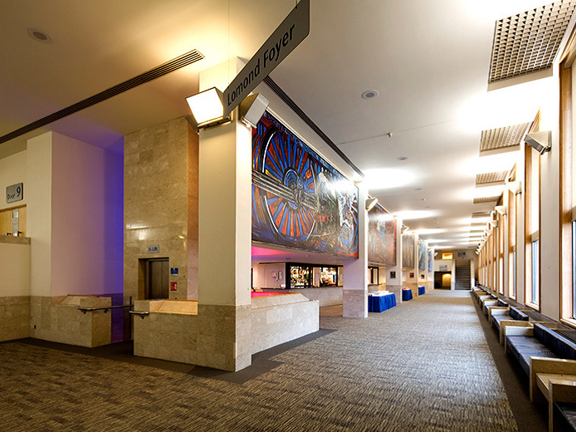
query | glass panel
(535,272)
(300,276)
(328,276)
(573,269)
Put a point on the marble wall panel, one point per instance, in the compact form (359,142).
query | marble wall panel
(14,318)
(161,204)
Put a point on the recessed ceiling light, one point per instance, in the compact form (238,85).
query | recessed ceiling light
(40,35)
(370,94)
(403,158)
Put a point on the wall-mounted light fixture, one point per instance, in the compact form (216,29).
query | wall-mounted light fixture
(370,203)
(539,141)
(501,209)
(207,108)
(515,187)
(252,109)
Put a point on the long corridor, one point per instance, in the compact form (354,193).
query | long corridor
(424,365)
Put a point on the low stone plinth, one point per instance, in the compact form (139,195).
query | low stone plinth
(282,318)
(59,320)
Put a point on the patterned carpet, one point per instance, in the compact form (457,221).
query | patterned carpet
(421,366)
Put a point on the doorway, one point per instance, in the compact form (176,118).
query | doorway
(157,278)
(442,280)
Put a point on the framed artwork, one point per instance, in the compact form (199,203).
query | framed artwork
(381,237)
(407,251)
(298,199)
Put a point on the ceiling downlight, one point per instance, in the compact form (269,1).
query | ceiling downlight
(370,94)
(528,42)
(40,35)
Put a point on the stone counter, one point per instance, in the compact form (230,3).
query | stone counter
(15,240)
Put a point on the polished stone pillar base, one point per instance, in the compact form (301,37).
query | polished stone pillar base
(355,303)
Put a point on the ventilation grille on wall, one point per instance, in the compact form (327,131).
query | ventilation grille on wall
(484,200)
(528,42)
(493,177)
(504,137)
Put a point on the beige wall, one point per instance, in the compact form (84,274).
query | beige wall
(161,204)
(12,171)
(14,288)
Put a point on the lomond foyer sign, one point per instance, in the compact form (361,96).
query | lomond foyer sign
(282,42)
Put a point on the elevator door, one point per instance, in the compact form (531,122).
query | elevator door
(157,278)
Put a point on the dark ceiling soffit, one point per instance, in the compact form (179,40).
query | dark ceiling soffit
(280,93)
(159,71)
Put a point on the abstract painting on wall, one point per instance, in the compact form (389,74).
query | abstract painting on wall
(407,250)
(421,255)
(381,237)
(430,260)
(298,199)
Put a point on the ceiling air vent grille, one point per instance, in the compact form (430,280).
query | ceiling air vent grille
(489,178)
(528,42)
(504,137)
(484,200)
(480,214)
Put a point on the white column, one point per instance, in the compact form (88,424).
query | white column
(394,273)
(355,291)
(225,231)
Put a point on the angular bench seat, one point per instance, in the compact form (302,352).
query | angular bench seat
(524,347)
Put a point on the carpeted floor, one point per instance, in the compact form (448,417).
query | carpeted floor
(421,366)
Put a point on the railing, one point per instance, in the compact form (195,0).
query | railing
(139,313)
(105,309)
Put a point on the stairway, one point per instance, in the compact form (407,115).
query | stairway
(463,277)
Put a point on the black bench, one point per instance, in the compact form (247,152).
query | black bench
(544,342)
(564,416)
(512,313)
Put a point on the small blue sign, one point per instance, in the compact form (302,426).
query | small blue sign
(174,271)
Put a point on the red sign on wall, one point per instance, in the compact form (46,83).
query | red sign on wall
(173,286)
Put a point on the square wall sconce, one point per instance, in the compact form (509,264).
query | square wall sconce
(207,108)
(539,141)
(370,203)
(252,109)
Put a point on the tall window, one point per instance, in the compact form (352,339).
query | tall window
(535,295)
(567,265)
(512,244)
(532,224)
(573,312)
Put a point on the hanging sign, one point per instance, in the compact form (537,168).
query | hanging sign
(285,38)
(15,192)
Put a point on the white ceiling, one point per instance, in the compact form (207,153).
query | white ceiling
(428,59)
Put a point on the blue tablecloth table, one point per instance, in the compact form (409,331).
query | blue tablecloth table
(406,294)
(421,290)
(381,303)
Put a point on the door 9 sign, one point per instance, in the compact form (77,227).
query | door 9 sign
(15,193)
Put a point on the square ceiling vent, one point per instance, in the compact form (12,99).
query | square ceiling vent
(528,42)
(485,200)
(491,178)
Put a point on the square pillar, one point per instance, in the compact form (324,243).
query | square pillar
(394,284)
(355,291)
(225,234)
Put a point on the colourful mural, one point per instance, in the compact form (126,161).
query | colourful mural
(430,260)
(298,199)
(421,255)
(381,237)
(407,250)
